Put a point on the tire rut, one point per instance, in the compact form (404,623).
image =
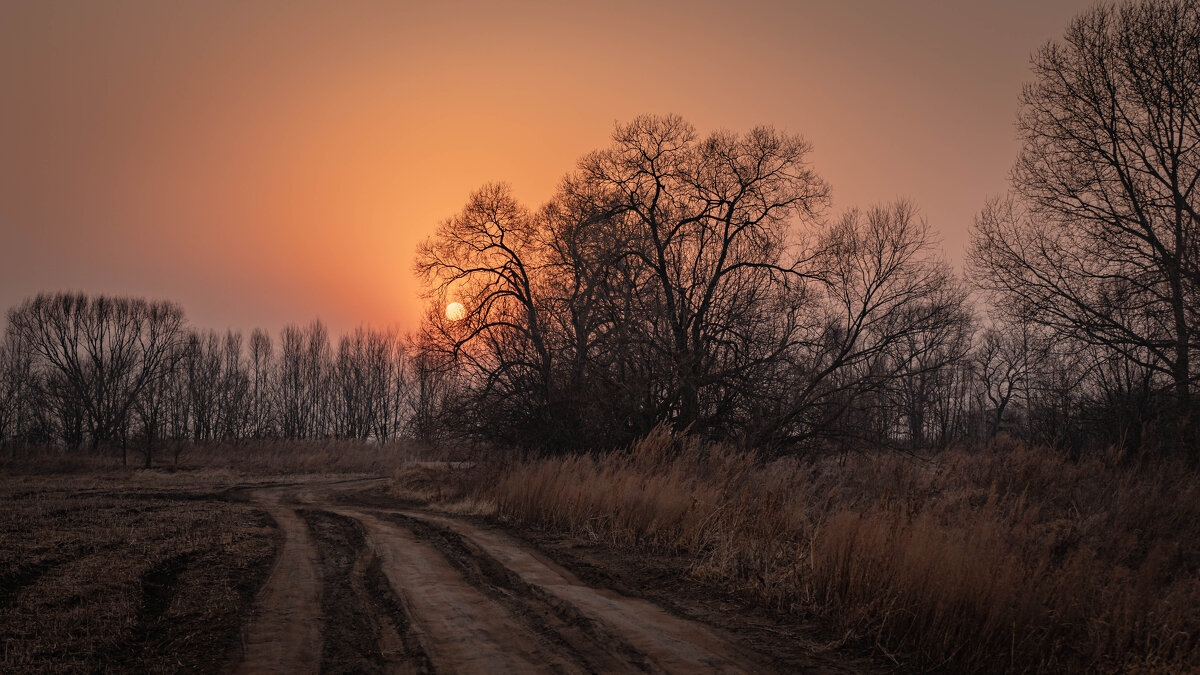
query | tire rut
(362,633)
(461,628)
(158,587)
(671,643)
(285,634)
(588,642)
(406,643)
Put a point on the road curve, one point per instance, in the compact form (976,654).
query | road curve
(285,634)
(465,598)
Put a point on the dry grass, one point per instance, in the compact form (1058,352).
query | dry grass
(1011,559)
(112,568)
(97,575)
(254,457)
(306,457)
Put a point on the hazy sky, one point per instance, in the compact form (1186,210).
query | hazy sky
(264,163)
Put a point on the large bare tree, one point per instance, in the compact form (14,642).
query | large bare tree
(1098,240)
(712,222)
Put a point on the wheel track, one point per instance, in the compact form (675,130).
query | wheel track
(586,641)
(448,596)
(364,631)
(285,634)
(671,644)
(403,641)
(461,628)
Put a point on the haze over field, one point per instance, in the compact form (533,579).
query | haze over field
(263,166)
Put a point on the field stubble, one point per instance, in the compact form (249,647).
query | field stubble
(96,573)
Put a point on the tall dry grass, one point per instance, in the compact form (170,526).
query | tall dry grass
(1009,559)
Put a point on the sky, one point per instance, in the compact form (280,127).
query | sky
(265,163)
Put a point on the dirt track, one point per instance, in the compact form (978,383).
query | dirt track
(433,593)
(285,636)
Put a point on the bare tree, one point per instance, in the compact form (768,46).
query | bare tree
(304,375)
(887,308)
(152,404)
(101,351)
(201,370)
(364,392)
(1099,240)
(1001,362)
(487,258)
(710,221)
(432,376)
(18,391)
(261,364)
(389,358)
(925,364)
(668,279)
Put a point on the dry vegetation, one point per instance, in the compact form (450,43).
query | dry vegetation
(1009,559)
(253,457)
(116,573)
(109,568)
(306,457)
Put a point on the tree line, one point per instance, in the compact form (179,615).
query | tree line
(128,374)
(701,281)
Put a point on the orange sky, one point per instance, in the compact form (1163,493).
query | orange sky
(264,163)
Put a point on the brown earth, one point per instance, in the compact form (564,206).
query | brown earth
(362,582)
(473,598)
(100,575)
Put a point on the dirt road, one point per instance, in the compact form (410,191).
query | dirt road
(285,636)
(411,591)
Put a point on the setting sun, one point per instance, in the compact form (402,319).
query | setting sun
(896,339)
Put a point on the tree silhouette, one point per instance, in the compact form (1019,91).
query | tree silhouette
(101,351)
(1099,239)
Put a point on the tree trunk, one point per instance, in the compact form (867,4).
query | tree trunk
(1181,371)
(149,447)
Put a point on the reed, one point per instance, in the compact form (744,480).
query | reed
(1007,559)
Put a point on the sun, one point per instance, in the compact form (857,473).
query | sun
(455,311)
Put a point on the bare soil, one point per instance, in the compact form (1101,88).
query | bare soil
(329,574)
(285,635)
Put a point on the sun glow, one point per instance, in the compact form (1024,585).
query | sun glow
(455,311)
